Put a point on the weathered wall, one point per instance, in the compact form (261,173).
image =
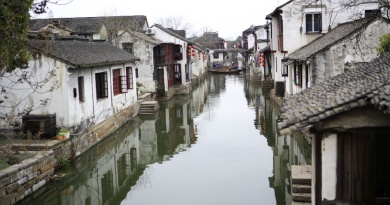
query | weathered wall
(54,82)
(144,51)
(360,47)
(91,136)
(23,179)
(329,166)
(357,118)
(168,38)
(294,28)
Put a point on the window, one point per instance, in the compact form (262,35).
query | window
(128,47)
(107,182)
(116,80)
(215,55)
(307,75)
(284,70)
(372,13)
(313,23)
(101,85)
(129,79)
(136,73)
(159,54)
(81,88)
(280,33)
(119,82)
(178,52)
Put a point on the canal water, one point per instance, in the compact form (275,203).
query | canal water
(218,145)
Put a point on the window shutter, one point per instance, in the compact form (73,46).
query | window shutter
(105,89)
(123,84)
(309,23)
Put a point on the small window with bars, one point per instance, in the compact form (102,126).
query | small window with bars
(128,47)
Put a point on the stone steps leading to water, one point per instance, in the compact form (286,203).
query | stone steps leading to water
(148,107)
(301,184)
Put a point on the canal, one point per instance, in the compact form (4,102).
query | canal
(218,145)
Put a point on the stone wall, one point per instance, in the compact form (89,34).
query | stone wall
(78,145)
(183,89)
(361,47)
(22,179)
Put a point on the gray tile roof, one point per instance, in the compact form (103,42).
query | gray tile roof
(368,83)
(82,53)
(339,33)
(90,25)
(277,9)
(144,37)
(172,33)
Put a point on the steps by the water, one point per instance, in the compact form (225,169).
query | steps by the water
(267,84)
(301,184)
(148,107)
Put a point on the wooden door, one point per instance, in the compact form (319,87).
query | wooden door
(364,173)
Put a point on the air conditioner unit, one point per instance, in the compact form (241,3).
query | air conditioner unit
(149,31)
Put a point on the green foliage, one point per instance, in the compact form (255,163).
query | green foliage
(384,44)
(63,162)
(14,19)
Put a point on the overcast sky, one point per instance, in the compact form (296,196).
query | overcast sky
(228,18)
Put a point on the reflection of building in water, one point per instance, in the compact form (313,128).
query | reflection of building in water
(287,150)
(217,84)
(103,173)
(198,99)
(107,172)
(173,127)
(148,139)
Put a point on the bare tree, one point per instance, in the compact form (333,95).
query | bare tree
(175,22)
(116,25)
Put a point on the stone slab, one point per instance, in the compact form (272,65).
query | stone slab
(301,172)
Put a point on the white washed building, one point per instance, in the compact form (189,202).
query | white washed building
(80,83)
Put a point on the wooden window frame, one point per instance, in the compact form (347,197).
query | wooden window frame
(101,85)
(80,82)
(178,52)
(280,33)
(129,78)
(311,22)
(128,47)
(116,81)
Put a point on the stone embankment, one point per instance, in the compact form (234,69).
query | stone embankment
(22,179)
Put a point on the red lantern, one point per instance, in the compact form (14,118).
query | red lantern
(261,59)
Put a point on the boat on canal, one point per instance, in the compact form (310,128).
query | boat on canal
(226,70)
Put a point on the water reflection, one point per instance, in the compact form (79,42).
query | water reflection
(287,150)
(217,146)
